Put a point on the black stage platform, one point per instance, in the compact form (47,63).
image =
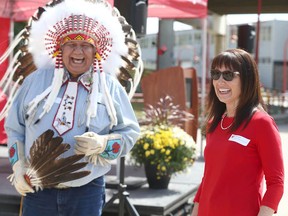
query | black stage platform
(172,201)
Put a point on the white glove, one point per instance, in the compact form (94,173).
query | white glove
(98,148)
(19,168)
(19,182)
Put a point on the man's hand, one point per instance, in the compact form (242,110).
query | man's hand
(18,179)
(19,167)
(90,143)
(98,148)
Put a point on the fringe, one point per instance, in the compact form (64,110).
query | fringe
(108,101)
(11,98)
(7,78)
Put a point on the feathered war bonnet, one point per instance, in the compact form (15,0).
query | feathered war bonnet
(95,22)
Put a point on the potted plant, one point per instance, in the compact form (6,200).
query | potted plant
(163,147)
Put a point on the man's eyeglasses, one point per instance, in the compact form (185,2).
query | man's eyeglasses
(227,75)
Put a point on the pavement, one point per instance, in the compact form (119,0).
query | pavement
(283,206)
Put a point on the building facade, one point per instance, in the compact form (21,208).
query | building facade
(188,48)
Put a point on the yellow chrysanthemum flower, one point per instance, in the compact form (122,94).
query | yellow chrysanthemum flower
(147,153)
(146,146)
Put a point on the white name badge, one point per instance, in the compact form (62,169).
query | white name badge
(239,139)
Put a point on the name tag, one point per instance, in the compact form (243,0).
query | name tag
(239,139)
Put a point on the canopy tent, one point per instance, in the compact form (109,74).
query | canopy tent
(4,34)
(21,10)
(173,9)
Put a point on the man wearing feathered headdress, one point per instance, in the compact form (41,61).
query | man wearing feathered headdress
(77,46)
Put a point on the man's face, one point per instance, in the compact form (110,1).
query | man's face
(78,56)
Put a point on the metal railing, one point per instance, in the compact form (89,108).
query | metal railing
(275,100)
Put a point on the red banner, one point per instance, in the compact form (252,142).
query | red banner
(3,135)
(4,42)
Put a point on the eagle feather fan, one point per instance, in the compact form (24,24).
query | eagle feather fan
(46,169)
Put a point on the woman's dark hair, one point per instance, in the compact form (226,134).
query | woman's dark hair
(250,98)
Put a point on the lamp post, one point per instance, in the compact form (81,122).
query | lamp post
(284,74)
(258,31)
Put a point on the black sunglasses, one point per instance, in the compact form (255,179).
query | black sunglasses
(227,75)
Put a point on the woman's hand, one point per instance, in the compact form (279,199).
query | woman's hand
(195,209)
(265,211)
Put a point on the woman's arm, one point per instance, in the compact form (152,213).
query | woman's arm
(195,209)
(270,153)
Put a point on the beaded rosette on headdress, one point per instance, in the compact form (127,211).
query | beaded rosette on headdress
(95,22)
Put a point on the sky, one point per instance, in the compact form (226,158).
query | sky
(152,23)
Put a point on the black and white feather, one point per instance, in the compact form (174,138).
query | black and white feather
(46,168)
